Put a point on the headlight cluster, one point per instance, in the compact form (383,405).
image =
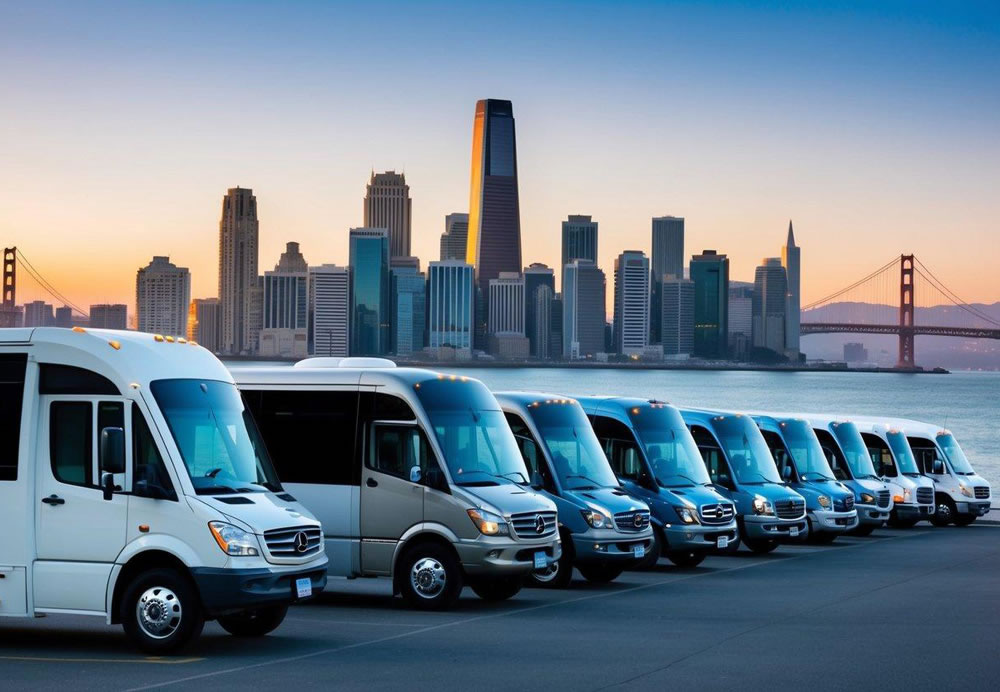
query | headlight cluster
(866,499)
(233,540)
(488,523)
(823,501)
(686,514)
(598,519)
(966,490)
(762,506)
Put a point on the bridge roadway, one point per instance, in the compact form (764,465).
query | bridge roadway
(917,330)
(900,610)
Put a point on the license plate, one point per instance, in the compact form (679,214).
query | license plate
(793,532)
(304,587)
(638,550)
(722,542)
(540,560)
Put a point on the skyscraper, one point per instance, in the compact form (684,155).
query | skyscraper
(667,260)
(370,292)
(63,317)
(38,313)
(329,310)
(238,279)
(387,205)
(162,295)
(541,321)
(710,274)
(207,323)
(791,261)
(450,303)
(677,316)
(740,318)
(494,241)
(579,241)
(507,311)
(285,325)
(455,237)
(535,277)
(770,304)
(409,300)
(109,316)
(631,319)
(583,311)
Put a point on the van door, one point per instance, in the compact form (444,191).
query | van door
(79,534)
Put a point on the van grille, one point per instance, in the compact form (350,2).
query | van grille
(634,521)
(883,498)
(715,515)
(287,543)
(925,496)
(790,509)
(845,505)
(982,492)
(526,524)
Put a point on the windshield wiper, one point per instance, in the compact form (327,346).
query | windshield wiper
(764,479)
(594,483)
(681,475)
(815,473)
(216,490)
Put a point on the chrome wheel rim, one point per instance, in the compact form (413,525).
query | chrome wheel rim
(158,612)
(548,574)
(944,511)
(428,577)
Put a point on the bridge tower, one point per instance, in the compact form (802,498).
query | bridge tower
(8,309)
(905,312)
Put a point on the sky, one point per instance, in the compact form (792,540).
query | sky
(874,126)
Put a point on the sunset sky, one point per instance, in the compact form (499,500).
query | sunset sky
(875,128)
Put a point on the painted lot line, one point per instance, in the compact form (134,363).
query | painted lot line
(519,611)
(165,661)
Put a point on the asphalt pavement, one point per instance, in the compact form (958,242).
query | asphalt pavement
(899,610)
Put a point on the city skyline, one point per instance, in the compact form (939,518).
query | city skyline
(848,170)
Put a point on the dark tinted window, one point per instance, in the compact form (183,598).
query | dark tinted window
(12,368)
(70,442)
(620,446)
(715,460)
(398,448)
(881,455)
(838,463)
(146,459)
(389,407)
(530,452)
(310,435)
(782,459)
(924,452)
(65,379)
(110,414)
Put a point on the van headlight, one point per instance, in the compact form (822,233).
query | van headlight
(867,499)
(598,519)
(762,506)
(965,490)
(823,501)
(488,523)
(233,540)
(686,514)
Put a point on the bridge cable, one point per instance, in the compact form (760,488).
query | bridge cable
(841,292)
(45,284)
(959,303)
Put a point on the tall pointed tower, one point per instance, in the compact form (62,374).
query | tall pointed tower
(791,261)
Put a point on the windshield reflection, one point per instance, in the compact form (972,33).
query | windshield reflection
(854,449)
(575,451)
(746,450)
(956,457)
(669,446)
(901,450)
(801,442)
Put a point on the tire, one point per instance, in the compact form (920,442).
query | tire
(944,511)
(964,519)
(557,576)
(654,552)
(897,523)
(160,611)
(254,623)
(863,530)
(430,577)
(496,588)
(686,559)
(823,537)
(600,574)
(760,546)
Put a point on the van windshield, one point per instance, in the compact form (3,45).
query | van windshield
(217,438)
(670,449)
(901,450)
(802,444)
(746,450)
(478,446)
(956,457)
(575,451)
(854,449)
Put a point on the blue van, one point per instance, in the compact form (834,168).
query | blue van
(742,469)
(604,530)
(803,465)
(652,453)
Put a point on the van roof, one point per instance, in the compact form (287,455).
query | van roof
(304,375)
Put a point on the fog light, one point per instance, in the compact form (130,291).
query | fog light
(493,554)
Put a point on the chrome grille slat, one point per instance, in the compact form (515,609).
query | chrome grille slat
(625,521)
(883,498)
(523,524)
(717,514)
(281,542)
(925,496)
(790,509)
(982,492)
(845,505)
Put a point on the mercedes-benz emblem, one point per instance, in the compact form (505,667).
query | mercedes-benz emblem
(301,542)
(539,523)
(637,520)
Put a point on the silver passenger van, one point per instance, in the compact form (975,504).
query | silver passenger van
(415,475)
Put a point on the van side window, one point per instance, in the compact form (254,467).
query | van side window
(66,379)
(781,457)
(110,414)
(831,450)
(71,444)
(715,461)
(398,448)
(925,453)
(389,407)
(310,435)
(620,447)
(12,367)
(881,455)
(146,460)
(530,452)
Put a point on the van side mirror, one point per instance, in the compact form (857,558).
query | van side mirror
(112,450)
(937,468)
(536,481)
(415,474)
(108,485)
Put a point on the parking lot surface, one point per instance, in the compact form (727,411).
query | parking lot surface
(917,609)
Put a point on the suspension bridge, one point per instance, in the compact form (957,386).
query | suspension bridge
(885,302)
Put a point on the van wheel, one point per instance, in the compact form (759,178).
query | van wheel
(558,575)
(161,612)
(496,588)
(686,559)
(760,546)
(944,512)
(897,523)
(601,574)
(964,519)
(863,530)
(823,537)
(654,552)
(254,623)
(430,577)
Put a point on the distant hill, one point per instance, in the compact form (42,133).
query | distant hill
(931,351)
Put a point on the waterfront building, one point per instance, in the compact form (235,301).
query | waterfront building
(791,260)
(388,205)
(540,322)
(583,310)
(285,325)
(855,352)
(455,237)
(677,316)
(240,294)
(740,319)
(109,316)
(205,323)
(535,277)
(38,313)
(329,310)
(162,296)
(409,300)
(556,328)
(709,272)
(63,317)
(631,313)
(370,287)
(667,260)
(579,241)
(450,305)
(770,303)
(507,316)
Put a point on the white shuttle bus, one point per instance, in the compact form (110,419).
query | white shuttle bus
(133,487)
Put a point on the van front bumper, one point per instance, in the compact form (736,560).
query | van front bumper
(771,528)
(224,591)
(498,556)
(698,537)
(909,510)
(871,515)
(602,546)
(828,521)
(977,509)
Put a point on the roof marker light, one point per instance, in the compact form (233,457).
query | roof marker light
(157,337)
(169,339)
(193,343)
(115,345)
(79,330)
(181,340)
